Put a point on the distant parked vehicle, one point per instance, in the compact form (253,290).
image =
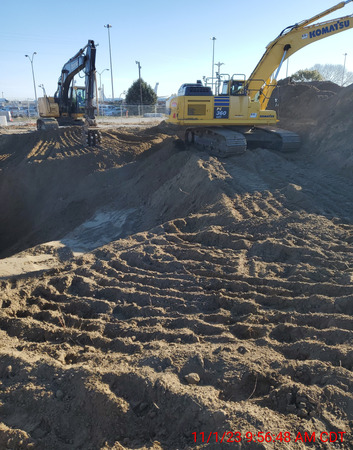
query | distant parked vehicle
(31,112)
(108,110)
(7,114)
(15,111)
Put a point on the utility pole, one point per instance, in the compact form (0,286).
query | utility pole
(213,39)
(108,26)
(139,66)
(218,75)
(34,80)
(344,67)
(219,64)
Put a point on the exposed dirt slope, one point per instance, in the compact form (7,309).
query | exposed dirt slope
(237,270)
(50,183)
(321,113)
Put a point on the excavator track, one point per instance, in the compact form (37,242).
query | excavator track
(272,138)
(224,142)
(47,123)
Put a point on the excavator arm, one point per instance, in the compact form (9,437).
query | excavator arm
(263,80)
(83,60)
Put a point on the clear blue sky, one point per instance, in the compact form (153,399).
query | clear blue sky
(170,39)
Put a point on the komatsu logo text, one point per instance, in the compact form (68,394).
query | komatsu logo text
(328,29)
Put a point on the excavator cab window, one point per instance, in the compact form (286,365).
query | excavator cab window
(78,99)
(233,87)
(237,88)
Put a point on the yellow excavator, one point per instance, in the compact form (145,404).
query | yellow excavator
(237,118)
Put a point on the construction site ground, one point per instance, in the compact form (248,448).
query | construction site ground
(155,297)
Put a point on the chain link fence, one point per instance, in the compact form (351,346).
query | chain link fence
(131,110)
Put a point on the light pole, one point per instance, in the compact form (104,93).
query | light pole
(110,54)
(213,39)
(123,93)
(122,103)
(139,66)
(42,86)
(100,87)
(34,80)
(100,80)
(344,67)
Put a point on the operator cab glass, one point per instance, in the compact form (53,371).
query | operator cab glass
(78,95)
(237,87)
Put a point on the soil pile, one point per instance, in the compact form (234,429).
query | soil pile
(188,294)
(321,113)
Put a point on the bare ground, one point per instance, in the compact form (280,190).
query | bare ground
(128,267)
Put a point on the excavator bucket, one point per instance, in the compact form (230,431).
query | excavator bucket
(91,135)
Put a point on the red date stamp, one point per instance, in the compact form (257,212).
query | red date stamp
(232,437)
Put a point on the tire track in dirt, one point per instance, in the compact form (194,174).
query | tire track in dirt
(246,280)
(279,339)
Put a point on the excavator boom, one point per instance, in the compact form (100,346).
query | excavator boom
(291,39)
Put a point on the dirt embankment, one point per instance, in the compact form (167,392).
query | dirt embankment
(195,295)
(321,113)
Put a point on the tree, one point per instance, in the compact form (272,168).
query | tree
(307,75)
(334,73)
(133,96)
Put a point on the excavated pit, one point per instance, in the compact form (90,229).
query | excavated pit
(134,266)
(51,184)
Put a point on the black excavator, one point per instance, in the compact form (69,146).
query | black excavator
(71,104)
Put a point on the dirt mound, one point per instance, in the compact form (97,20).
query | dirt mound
(302,102)
(320,113)
(189,297)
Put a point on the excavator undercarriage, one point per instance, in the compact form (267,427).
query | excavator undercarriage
(224,142)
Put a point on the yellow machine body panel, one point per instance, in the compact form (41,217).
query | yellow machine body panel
(219,111)
(47,107)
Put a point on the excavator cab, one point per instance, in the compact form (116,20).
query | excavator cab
(234,87)
(77,101)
